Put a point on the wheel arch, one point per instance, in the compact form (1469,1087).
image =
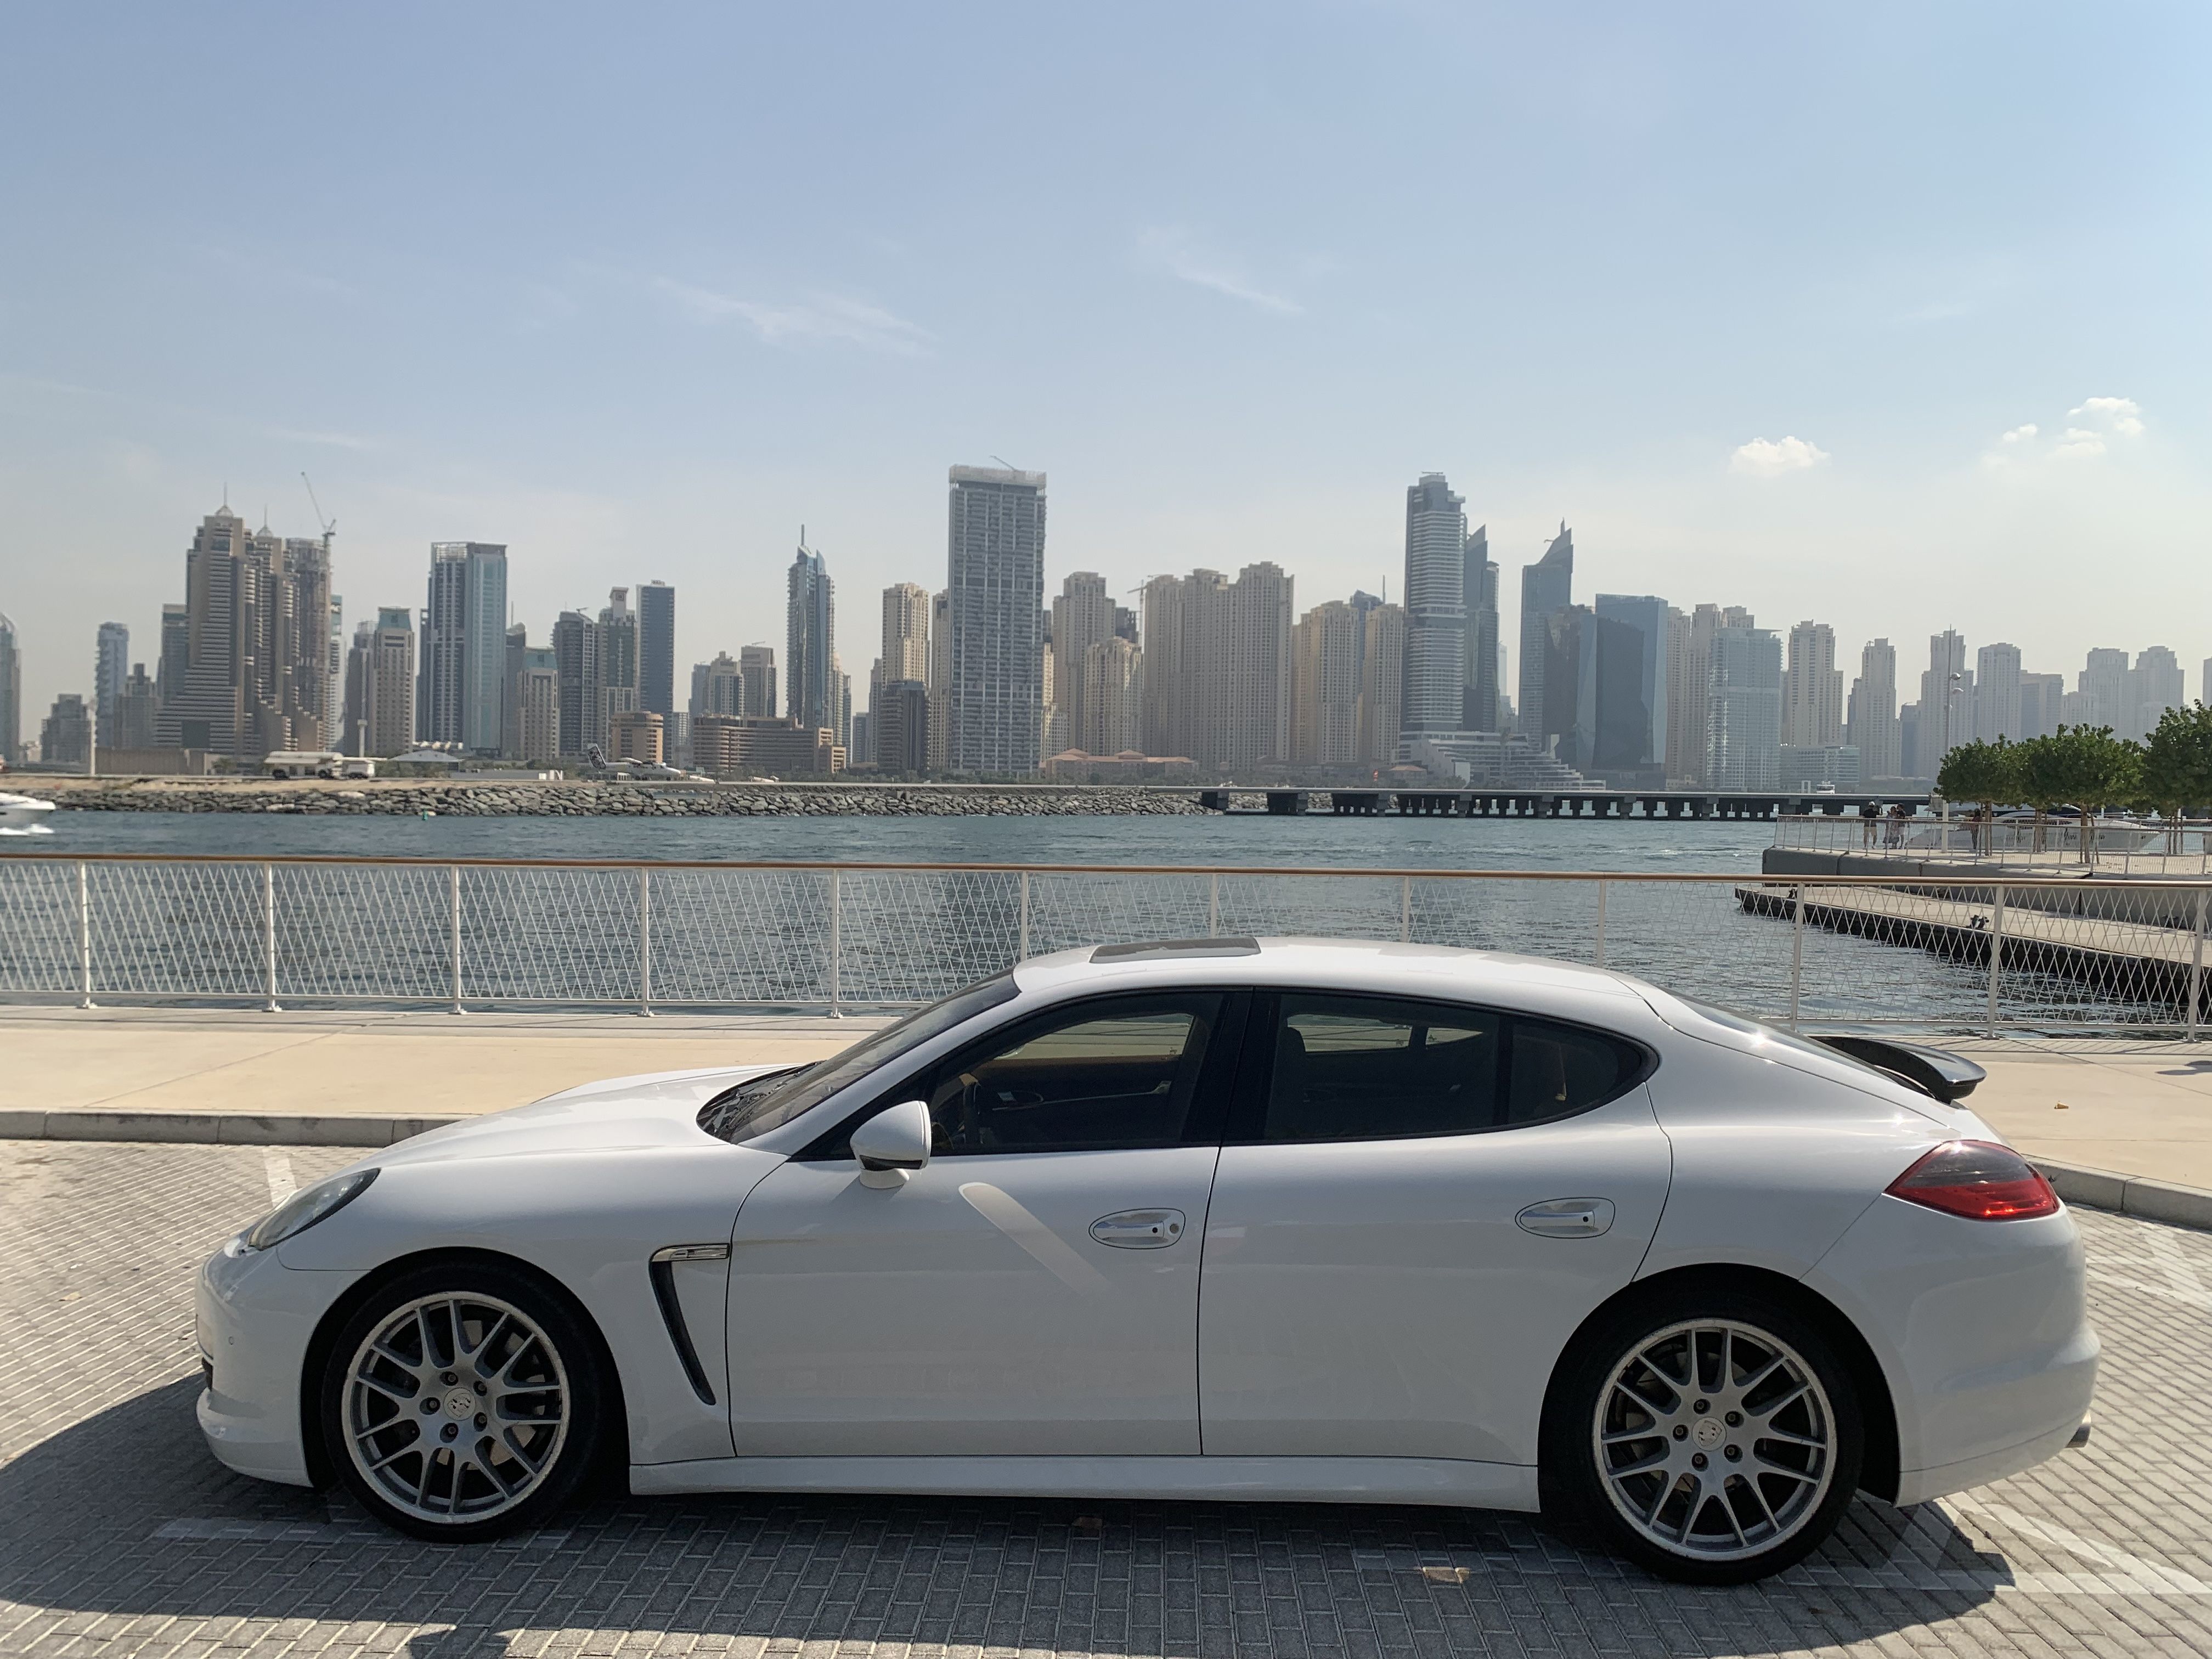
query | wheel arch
(1878,1471)
(322,1468)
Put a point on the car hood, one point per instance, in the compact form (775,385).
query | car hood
(654,1108)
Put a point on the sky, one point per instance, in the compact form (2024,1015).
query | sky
(1891,316)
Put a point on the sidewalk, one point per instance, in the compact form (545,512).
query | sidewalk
(2109,1112)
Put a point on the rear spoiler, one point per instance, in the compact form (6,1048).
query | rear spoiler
(1934,1072)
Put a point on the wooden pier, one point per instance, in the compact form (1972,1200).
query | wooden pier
(1674,803)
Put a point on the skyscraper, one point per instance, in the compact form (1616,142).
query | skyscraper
(1113,694)
(1082,617)
(1161,727)
(2102,687)
(1478,697)
(1325,651)
(718,686)
(205,705)
(462,664)
(618,659)
(1435,608)
(1743,704)
(903,655)
(1996,693)
(1812,688)
(2042,704)
(1382,682)
(1545,587)
(656,649)
(1620,704)
(2154,687)
(810,640)
(111,666)
(995,587)
(757,670)
(131,726)
(1873,729)
(11,693)
(579,674)
(1947,701)
(66,738)
(379,716)
(1228,644)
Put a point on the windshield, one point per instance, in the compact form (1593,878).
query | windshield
(759,1104)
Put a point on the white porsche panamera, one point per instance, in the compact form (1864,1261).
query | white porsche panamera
(1216,1219)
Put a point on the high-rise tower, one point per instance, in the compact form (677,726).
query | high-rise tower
(656,649)
(1435,608)
(1545,587)
(994,585)
(810,640)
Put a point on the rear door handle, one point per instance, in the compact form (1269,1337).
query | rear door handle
(1566,1218)
(1139,1230)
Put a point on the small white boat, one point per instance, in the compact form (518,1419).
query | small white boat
(19,816)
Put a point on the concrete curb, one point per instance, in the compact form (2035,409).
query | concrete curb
(216,1128)
(2136,1195)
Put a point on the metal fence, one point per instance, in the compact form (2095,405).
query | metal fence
(2059,954)
(2125,848)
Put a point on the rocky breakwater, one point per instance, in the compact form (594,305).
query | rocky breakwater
(399,798)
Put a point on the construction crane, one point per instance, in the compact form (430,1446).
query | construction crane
(329,526)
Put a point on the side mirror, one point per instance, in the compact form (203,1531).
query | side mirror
(892,1144)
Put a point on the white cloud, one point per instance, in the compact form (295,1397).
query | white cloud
(1171,250)
(2020,434)
(820,317)
(2123,415)
(1769,458)
(2078,444)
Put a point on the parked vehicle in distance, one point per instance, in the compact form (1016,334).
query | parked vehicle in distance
(356,766)
(303,763)
(1385,1223)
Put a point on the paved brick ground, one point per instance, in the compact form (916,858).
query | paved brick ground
(119,1536)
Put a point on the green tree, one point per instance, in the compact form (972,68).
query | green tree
(2176,773)
(1985,772)
(2087,765)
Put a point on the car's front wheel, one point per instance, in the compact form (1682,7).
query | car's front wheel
(462,1401)
(1714,1436)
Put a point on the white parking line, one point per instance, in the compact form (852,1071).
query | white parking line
(279,1168)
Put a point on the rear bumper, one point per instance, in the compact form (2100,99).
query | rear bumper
(1981,1329)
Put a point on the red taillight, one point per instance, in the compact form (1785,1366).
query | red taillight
(1978,1180)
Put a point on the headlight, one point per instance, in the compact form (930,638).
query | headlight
(304,1209)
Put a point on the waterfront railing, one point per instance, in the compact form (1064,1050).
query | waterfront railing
(2125,847)
(2061,953)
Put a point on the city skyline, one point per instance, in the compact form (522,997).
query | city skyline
(1921,352)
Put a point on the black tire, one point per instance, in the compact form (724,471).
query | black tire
(515,1392)
(1761,1503)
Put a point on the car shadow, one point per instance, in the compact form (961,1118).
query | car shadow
(125,1515)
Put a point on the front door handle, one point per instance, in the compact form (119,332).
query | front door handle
(1139,1230)
(1566,1218)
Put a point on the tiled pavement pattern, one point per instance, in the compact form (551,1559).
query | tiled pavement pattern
(119,1537)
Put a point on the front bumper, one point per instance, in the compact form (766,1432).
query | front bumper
(254,1318)
(1982,1329)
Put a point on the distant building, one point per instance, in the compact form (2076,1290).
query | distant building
(1620,699)
(1227,645)
(636,736)
(1082,617)
(1689,676)
(656,649)
(1812,688)
(811,641)
(11,694)
(902,656)
(1325,664)
(1996,693)
(2154,687)
(2042,704)
(577,665)
(1809,767)
(1545,587)
(1113,695)
(111,666)
(1947,700)
(757,671)
(1436,660)
(65,738)
(532,730)
(718,686)
(130,725)
(779,748)
(1743,705)
(379,685)
(619,693)
(995,584)
(462,652)
(1478,707)
(1561,676)
(1873,728)
(900,728)
(176,652)
(1382,682)
(244,670)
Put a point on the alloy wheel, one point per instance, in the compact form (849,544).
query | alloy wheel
(456,1407)
(1714,1440)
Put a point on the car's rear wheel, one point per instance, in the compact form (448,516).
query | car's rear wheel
(462,1401)
(1714,1436)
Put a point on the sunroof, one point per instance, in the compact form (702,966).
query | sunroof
(1154,950)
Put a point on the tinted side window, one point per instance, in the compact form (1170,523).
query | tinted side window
(1119,1072)
(1372,1068)
(1559,1069)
